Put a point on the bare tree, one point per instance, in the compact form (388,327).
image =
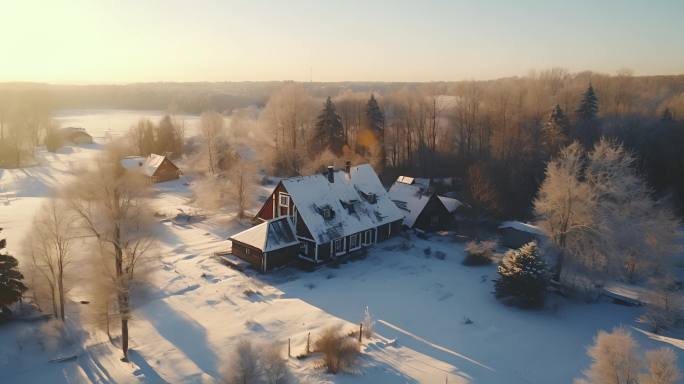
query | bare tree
(52,235)
(112,207)
(211,128)
(242,185)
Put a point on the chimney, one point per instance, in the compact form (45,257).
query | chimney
(347,166)
(331,174)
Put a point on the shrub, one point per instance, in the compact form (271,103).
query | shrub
(479,253)
(256,365)
(340,352)
(368,324)
(523,277)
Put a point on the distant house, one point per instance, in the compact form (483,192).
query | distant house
(423,209)
(333,214)
(75,135)
(515,234)
(157,168)
(268,245)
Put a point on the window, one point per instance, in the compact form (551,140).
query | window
(327,213)
(368,237)
(354,241)
(304,248)
(284,199)
(339,246)
(246,251)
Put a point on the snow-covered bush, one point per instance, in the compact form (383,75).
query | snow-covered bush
(522,277)
(479,253)
(54,335)
(340,352)
(615,359)
(274,365)
(664,307)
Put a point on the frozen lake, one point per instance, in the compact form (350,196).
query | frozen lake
(105,123)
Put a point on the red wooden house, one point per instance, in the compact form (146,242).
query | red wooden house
(334,213)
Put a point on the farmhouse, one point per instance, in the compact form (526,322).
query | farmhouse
(333,214)
(75,136)
(515,234)
(423,208)
(157,168)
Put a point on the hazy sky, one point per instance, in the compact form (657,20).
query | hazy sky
(119,41)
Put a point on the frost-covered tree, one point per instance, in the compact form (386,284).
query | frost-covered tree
(664,305)
(523,277)
(245,367)
(565,204)
(662,367)
(600,214)
(329,132)
(614,359)
(368,323)
(11,280)
(212,128)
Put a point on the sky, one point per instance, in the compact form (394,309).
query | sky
(125,41)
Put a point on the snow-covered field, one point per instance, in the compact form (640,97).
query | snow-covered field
(194,309)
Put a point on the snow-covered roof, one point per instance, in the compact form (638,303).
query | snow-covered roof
(520,226)
(269,236)
(449,203)
(410,198)
(357,200)
(421,181)
(148,166)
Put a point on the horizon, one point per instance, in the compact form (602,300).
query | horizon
(125,42)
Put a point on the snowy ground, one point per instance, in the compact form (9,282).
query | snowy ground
(194,309)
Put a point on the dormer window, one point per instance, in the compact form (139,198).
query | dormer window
(284,199)
(327,213)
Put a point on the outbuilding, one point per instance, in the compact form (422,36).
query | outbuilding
(267,245)
(515,234)
(157,168)
(423,209)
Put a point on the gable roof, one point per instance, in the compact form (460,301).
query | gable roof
(357,200)
(269,236)
(523,227)
(411,198)
(148,166)
(449,203)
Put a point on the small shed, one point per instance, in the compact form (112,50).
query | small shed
(515,234)
(267,245)
(158,168)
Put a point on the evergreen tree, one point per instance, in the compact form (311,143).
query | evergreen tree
(149,143)
(168,138)
(555,131)
(376,123)
(11,285)
(587,116)
(329,130)
(522,277)
(667,116)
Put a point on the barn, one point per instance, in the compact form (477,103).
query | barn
(334,213)
(268,245)
(423,209)
(157,168)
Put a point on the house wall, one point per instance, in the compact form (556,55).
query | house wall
(434,207)
(255,257)
(249,254)
(266,211)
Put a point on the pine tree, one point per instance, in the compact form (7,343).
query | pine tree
(587,113)
(667,116)
(376,123)
(11,285)
(522,277)
(556,131)
(329,130)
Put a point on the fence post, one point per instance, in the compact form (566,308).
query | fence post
(308,343)
(289,347)
(360,331)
